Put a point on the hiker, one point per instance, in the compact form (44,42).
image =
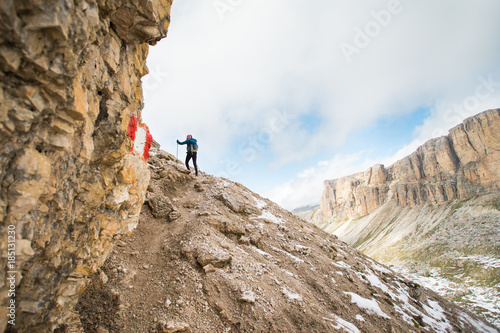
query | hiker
(192,148)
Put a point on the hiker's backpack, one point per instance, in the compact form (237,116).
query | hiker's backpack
(193,147)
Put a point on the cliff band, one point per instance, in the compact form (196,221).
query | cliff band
(72,173)
(435,211)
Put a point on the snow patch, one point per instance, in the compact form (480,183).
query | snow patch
(359,317)
(481,327)
(341,264)
(487,298)
(486,261)
(265,254)
(260,203)
(373,279)
(438,320)
(370,305)
(291,295)
(288,254)
(379,267)
(269,216)
(342,324)
(404,315)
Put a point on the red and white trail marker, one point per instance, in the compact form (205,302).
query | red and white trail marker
(141,138)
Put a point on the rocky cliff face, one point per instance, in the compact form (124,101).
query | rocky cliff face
(461,165)
(210,256)
(72,147)
(436,210)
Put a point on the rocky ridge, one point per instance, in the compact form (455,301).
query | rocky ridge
(437,210)
(461,165)
(72,147)
(209,255)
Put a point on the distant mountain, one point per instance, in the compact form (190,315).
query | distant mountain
(436,211)
(306,212)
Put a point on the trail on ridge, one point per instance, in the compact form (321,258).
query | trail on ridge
(209,255)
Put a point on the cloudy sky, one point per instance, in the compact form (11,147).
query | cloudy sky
(284,94)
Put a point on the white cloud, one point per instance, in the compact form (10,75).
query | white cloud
(306,188)
(222,79)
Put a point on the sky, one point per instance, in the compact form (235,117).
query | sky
(282,95)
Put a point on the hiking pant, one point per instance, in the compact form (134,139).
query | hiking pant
(189,156)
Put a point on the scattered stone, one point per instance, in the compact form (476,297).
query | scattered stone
(302,249)
(101,329)
(244,240)
(295,283)
(215,257)
(231,203)
(209,268)
(248,296)
(198,187)
(190,204)
(160,206)
(121,243)
(103,277)
(171,326)
(255,238)
(227,226)
(174,215)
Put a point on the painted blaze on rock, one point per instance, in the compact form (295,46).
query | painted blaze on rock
(141,138)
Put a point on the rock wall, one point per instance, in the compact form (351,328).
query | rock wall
(463,164)
(73,176)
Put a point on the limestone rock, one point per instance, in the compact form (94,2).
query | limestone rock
(238,203)
(72,181)
(461,165)
(216,257)
(248,296)
(199,187)
(161,207)
(174,215)
(227,226)
(171,326)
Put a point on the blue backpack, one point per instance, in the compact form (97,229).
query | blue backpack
(192,146)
